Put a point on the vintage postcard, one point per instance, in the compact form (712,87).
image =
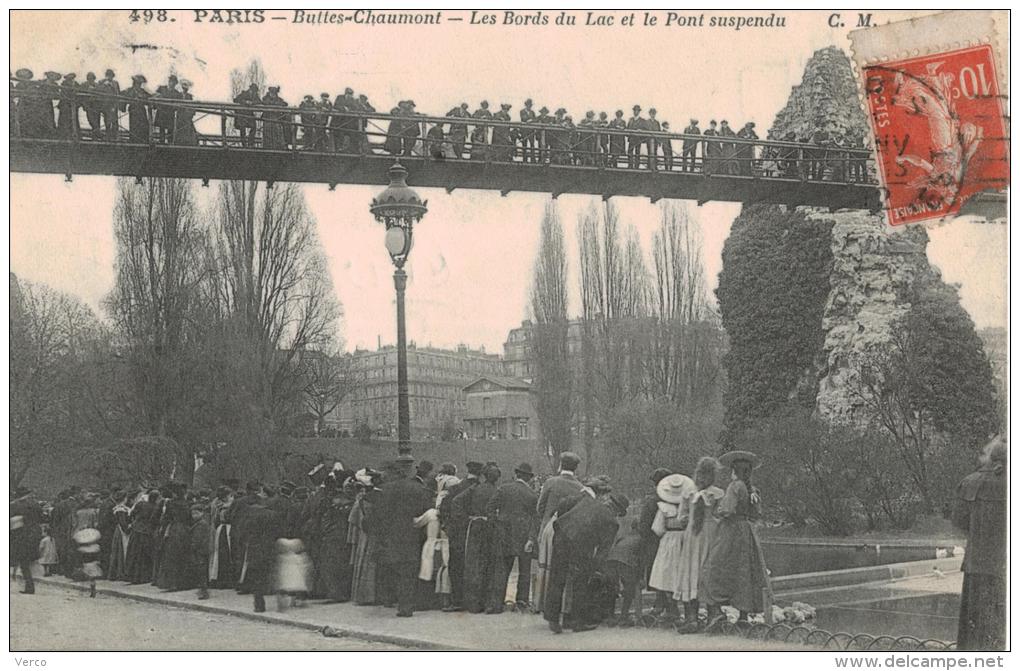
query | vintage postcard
(507,330)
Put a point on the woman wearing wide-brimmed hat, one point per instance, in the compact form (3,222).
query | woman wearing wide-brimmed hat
(734,572)
(674,492)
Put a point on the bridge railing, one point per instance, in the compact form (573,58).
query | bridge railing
(44,112)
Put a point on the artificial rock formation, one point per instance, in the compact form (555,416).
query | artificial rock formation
(872,264)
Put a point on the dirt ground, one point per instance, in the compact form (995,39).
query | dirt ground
(62,620)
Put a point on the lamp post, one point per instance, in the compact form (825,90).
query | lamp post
(399,208)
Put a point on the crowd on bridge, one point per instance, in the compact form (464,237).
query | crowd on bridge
(51,108)
(412,538)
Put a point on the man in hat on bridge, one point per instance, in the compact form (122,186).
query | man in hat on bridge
(690,147)
(513,510)
(110,108)
(244,120)
(166,115)
(636,123)
(529,152)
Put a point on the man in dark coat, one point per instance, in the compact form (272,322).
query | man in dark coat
(512,511)
(262,528)
(458,131)
(166,115)
(636,139)
(198,550)
(529,153)
(91,105)
(472,505)
(712,150)
(61,527)
(244,120)
(236,517)
(690,147)
(981,511)
(26,532)
(560,486)
(617,141)
(402,500)
(109,107)
(584,536)
(309,123)
(455,523)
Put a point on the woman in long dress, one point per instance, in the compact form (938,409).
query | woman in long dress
(173,565)
(138,562)
(363,540)
(670,521)
(221,561)
(735,572)
(138,111)
(184,120)
(698,537)
(334,570)
(121,540)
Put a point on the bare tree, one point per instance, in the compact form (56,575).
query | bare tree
(52,337)
(158,237)
(614,285)
(275,288)
(330,379)
(552,382)
(683,363)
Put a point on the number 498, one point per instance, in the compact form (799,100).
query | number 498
(148,15)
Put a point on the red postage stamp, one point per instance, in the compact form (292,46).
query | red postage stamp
(940,134)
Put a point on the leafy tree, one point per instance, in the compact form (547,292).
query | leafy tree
(930,388)
(772,293)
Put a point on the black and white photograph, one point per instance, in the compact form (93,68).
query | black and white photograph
(506,330)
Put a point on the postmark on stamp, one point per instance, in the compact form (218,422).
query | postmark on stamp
(940,134)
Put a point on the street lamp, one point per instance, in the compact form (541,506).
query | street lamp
(398,207)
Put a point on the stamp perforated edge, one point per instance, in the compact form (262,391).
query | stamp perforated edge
(922,36)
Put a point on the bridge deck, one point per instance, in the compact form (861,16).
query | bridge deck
(345,147)
(68,157)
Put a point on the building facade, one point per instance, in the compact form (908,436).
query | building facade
(435,380)
(500,408)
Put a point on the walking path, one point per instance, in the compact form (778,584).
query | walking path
(430,629)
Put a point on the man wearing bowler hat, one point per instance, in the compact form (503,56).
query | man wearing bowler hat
(516,529)
(636,139)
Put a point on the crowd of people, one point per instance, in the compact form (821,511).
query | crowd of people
(412,538)
(50,108)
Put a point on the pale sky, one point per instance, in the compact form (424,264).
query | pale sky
(470,269)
